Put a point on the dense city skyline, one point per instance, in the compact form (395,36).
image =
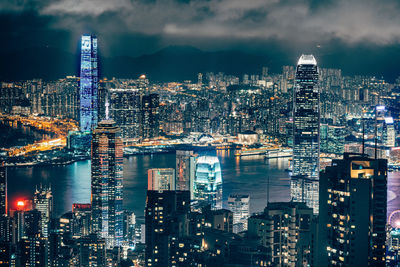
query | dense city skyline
(199,133)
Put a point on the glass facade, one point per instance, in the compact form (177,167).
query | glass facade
(88,83)
(106,184)
(208,181)
(306,118)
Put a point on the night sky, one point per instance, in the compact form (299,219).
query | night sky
(359,36)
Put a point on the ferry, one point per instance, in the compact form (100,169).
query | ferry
(251,151)
(279,153)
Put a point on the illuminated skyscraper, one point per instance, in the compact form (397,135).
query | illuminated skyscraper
(107,168)
(149,116)
(88,83)
(208,181)
(43,202)
(306,116)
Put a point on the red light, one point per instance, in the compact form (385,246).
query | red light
(20,203)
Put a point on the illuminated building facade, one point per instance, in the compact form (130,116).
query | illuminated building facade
(164,208)
(150,116)
(353,201)
(106,183)
(240,206)
(161,179)
(185,170)
(43,202)
(125,111)
(208,181)
(306,118)
(88,83)
(285,229)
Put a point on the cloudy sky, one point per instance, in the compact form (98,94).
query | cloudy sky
(135,27)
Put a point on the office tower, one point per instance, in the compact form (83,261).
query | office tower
(43,202)
(3,189)
(161,179)
(88,83)
(149,121)
(185,170)
(240,206)
(163,219)
(352,221)
(81,219)
(32,223)
(306,133)
(208,181)
(125,111)
(285,229)
(106,184)
(221,219)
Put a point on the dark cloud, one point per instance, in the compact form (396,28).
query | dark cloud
(135,27)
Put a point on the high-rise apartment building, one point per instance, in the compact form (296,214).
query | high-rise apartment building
(125,111)
(88,83)
(306,119)
(106,183)
(240,206)
(352,219)
(286,230)
(208,181)
(149,118)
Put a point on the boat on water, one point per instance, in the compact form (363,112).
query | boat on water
(251,151)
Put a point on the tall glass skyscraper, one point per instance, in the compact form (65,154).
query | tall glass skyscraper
(106,184)
(208,181)
(306,117)
(88,83)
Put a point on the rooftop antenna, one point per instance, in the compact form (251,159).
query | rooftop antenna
(363,133)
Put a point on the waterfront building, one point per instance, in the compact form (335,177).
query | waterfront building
(208,181)
(352,219)
(106,182)
(286,230)
(185,170)
(306,118)
(161,179)
(125,111)
(88,83)
(3,190)
(43,202)
(240,206)
(389,133)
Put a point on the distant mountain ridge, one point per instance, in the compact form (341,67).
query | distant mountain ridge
(177,63)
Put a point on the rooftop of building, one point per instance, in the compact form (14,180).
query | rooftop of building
(307,60)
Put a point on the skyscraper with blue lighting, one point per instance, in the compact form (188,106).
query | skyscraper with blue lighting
(208,181)
(88,83)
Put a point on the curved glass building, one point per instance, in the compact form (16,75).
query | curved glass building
(208,181)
